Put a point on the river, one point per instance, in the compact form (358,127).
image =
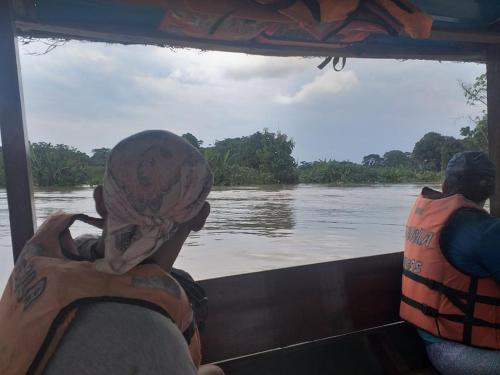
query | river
(260,228)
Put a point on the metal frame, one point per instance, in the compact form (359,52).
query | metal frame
(493,80)
(14,136)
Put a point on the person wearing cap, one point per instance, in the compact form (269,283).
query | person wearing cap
(113,307)
(451,269)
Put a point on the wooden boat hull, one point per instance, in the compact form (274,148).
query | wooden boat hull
(392,349)
(338,317)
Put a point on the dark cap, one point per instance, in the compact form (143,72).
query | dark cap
(469,169)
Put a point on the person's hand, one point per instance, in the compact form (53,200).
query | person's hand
(210,370)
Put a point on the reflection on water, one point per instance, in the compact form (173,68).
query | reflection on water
(258,228)
(264,212)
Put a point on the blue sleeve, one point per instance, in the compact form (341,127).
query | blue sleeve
(471,242)
(489,254)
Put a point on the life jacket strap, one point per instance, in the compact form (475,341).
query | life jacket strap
(430,311)
(336,60)
(465,301)
(426,309)
(454,295)
(440,287)
(196,295)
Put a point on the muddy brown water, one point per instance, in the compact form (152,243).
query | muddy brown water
(261,228)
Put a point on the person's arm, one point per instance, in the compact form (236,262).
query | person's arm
(114,338)
(489,251)
(471,242)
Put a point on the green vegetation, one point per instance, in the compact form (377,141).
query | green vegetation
(433,151)
(61,165)
(475,94)
(96,165)
(266,158)
(261,158)
(335,172)
(58,165)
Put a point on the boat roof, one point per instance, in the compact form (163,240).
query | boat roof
(462,30)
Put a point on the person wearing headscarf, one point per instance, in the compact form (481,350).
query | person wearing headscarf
(110,305)
(451,269)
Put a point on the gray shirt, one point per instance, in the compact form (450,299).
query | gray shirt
(110,338)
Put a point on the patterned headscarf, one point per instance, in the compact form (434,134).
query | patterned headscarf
(154,181)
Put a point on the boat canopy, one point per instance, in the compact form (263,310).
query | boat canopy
(402,29)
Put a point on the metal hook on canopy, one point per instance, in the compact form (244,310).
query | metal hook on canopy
(335,63)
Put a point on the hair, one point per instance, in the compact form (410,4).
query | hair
(473,186)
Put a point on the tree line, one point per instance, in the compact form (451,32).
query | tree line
(266,158)
(261,158)
(62,165)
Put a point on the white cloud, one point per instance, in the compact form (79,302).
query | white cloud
(166,85)
(197,66)
(91,95)
(254,67)
(330,82)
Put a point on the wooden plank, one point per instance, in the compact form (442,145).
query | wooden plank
(394,349)
(14,136)
(466,36)
(260,311)
(493,77)
(473,52)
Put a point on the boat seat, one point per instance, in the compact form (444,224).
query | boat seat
(337,317)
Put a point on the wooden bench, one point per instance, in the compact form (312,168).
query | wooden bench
(338,317)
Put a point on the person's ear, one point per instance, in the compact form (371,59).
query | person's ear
(198,222)
(99,202)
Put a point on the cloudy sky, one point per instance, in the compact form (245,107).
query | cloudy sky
(91,95)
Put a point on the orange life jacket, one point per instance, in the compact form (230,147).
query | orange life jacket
(322,23)
(436,296)
(46,289)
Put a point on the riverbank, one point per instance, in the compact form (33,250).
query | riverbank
(263,158)
(350,173)
(319,172)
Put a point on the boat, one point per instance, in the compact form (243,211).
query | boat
(338,317)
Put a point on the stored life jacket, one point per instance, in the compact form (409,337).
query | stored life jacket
(436,296)
(322,23)
(46,289)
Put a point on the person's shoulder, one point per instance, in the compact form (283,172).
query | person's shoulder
(470,216)
(120,337)
(130,323)
(115,314)
(465,223)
